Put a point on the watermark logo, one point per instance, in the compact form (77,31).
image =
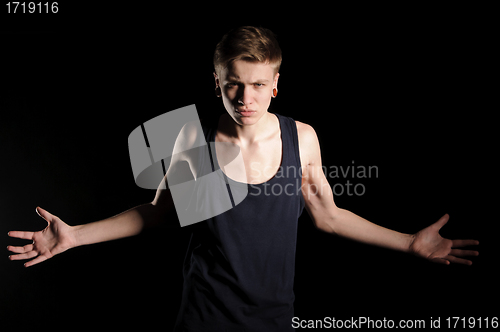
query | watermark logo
(171,150)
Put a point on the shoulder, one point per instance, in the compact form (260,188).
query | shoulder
(190,136)
(308,143)
(307,134)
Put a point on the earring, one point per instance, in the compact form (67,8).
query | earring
(275,92)
(218,92)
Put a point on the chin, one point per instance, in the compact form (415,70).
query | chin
(246,120)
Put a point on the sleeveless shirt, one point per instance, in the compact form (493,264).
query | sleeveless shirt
(240,265)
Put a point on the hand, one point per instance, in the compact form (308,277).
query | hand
(54,239)
(430,245)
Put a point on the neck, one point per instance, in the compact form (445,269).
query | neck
(246,134)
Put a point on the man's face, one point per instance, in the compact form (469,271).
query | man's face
(247,89)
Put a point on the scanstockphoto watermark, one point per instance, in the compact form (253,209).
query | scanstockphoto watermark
(342,179)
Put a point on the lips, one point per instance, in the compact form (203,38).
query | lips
(245,112)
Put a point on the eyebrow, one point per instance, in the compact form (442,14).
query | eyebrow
(237,79)
(232,77)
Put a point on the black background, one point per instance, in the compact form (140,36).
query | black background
(405,89)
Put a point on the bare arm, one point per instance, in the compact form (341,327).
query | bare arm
(131,222)
(58,236)
(328,217)
(125,224)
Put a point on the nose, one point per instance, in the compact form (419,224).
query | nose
(244,95)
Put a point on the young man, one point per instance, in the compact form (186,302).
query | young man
(239,269)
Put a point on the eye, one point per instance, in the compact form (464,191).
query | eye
(258,85)
(230,85)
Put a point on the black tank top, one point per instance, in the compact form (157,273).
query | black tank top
(239,267)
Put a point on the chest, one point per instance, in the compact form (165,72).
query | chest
(256,163)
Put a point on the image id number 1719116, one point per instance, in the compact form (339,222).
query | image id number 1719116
(471,322)
(32,7)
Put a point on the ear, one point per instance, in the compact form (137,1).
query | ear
(218,91)
(275,82)
(217,84)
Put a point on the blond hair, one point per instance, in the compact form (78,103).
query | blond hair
(250,44)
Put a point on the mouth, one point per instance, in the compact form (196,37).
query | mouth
(245,112)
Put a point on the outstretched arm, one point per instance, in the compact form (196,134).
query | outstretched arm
(125,224)
(58,237)
(328,217)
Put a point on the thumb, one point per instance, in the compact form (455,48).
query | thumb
(44,214)
(442,221)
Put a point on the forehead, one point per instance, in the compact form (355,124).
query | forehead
(248,71)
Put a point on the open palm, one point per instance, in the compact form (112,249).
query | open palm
(430,245)
(52,240)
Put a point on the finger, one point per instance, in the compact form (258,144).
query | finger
(27,255)
(457,260)
(21,235)
(442,221)
(463,243)
(20,250)
(440,261)
(37,260)
(44,214)
(459,252)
